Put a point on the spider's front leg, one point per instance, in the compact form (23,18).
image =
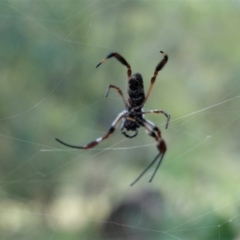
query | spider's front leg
(98,140)
(154,132)
(158,111)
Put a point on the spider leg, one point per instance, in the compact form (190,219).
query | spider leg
(159,111)
(120,58)
(157,69)
(98,140)
(119,92)
(145,170)
(154,132)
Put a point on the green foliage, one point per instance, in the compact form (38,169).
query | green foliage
(51,88)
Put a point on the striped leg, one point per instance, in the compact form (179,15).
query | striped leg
(119,92)
(121,59)
(157,69)
(154,132)
(98,140)
(159,111)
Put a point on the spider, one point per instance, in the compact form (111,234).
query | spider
(133,115)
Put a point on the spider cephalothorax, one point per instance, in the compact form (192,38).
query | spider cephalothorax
(132,117)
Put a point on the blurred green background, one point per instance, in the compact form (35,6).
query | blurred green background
(51,88)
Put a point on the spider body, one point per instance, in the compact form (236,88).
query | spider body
(136,93)
(132,117)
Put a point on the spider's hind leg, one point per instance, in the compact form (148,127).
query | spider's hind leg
(121,59)
(119,92)
(159,67)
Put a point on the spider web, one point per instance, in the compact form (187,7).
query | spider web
(50,88)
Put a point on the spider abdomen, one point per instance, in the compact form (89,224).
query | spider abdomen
(135,98)
(136,95)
